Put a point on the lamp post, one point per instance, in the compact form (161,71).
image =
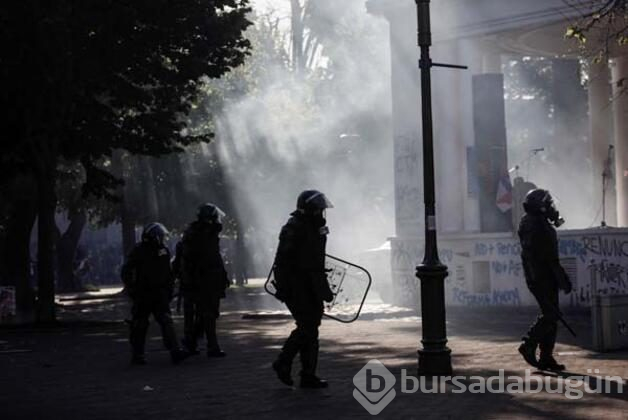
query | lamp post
(435,356)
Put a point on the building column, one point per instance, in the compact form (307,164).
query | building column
(600,132)
(489,126)
(471,56)
(619,70)
(449,142)
(407,244)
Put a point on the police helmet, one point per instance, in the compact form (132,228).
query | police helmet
(154,232)
(537,201)
(209,212)
(310,201)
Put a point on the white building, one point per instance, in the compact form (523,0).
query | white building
(475,238)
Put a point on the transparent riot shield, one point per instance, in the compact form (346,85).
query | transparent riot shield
(348,282)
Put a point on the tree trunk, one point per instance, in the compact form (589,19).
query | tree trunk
(17,256)
(297,36)
(128,228)
(127,219)
(66,251)
(46,246)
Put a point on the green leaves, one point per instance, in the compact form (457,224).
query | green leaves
(98,76)
(576,33)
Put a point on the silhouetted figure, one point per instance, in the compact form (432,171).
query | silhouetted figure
(149,281)
(544,276)
(204,279)
(301,283)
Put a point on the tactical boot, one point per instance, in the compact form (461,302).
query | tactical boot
(138,359)
(313,382)
(190,348)
(549,363)
(283,371)
(178,355)
(528,351)
(215,352)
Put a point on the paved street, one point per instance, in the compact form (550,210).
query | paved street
(80,369)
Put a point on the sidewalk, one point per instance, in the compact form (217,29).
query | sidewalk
(81,368)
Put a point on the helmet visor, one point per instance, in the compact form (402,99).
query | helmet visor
(319,201)
(219,214)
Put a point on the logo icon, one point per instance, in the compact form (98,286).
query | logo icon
(374,387)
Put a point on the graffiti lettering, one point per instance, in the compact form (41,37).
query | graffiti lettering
(609,278)
(510,267)
(508,248)
(605,246)
(497,297)
(497,248)
(572,248)
(483,249)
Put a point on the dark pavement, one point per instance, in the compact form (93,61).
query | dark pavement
(80,368)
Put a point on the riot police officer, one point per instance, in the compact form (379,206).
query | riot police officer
(544,276)
(149,282)
(301,283)
(204,279)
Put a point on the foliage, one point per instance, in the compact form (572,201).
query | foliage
(601,26)
(97,76)
(81,79)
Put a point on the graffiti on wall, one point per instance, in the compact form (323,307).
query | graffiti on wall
(496,297)
(596,263)
(499,248)
(608,278)
(408,193)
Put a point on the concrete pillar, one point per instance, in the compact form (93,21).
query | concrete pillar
(407,244)
(450,150)
(406,121)
(619,69)
(600,132)
(470,56)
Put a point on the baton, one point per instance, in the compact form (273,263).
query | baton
(566,325)
(560,317)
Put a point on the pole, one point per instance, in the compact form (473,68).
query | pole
(435,356)
(603,223)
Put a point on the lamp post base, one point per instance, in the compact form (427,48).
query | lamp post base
(435,362)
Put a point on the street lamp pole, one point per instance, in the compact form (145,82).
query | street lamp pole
(435,356)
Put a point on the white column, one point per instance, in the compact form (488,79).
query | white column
(600,132)
(470,56)
(620,123)
(450,150)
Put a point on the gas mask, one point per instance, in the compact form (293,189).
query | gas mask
(554,216)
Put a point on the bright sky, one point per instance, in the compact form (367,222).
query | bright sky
(283,5)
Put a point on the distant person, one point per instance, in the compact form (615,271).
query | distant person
(149,281)
(520,188)
(204,279)
(544,276)
(239,261)
(301,283)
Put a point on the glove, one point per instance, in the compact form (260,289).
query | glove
(322,288)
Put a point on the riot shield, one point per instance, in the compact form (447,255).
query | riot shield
(348,282)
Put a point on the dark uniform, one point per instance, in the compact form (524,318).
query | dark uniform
(544,276)
(301,283)
(204,280)
(149,281)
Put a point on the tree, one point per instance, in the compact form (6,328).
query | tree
(81,79)
(601,26)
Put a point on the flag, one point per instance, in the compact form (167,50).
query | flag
(504,194)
